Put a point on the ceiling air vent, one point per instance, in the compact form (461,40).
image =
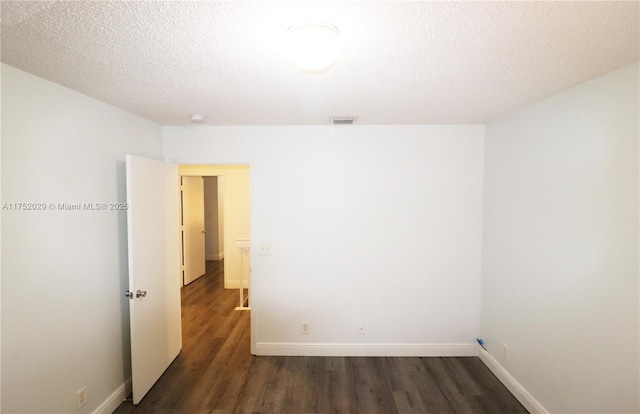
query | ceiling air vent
(342,120)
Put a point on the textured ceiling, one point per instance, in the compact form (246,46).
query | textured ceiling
(401,62)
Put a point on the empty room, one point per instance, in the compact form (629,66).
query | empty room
(449,186)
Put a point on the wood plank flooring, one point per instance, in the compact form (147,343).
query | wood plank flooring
(216,374)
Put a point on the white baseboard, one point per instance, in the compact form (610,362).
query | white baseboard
(215,257)
(526,399)
(392,350)
(109,405)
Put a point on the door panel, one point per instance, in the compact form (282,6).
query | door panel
(154,266)
(193,227)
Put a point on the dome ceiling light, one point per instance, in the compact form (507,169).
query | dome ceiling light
(198,119)
(313,46)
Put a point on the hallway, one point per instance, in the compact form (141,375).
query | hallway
(216,374)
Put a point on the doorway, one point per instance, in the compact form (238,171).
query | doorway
(232,183)
(192,228)
(156,332)
(201,225)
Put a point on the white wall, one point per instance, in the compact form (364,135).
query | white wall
(372,224)
(64,316)
(211,214)
(0,247)
(221,245)
(560,262)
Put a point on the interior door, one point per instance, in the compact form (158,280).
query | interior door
(193,227)
(154,266)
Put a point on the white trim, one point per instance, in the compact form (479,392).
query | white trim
(215,257)
(390,350)
(526,399)
(110,404)
(235,284)
(243,243)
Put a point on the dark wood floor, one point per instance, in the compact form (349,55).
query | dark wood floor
(216,374)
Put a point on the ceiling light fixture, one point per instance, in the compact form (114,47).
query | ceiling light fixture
(197,119)
(313,46)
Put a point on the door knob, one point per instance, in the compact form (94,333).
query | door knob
(141,293)
(128,294)
(204,231)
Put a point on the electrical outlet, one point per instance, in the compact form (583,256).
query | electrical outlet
(81,398)
(361,329)
(505,351)
(304,327)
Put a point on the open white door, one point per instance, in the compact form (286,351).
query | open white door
(154,268)
(193,228)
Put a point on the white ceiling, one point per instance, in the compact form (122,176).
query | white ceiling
(402,62)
